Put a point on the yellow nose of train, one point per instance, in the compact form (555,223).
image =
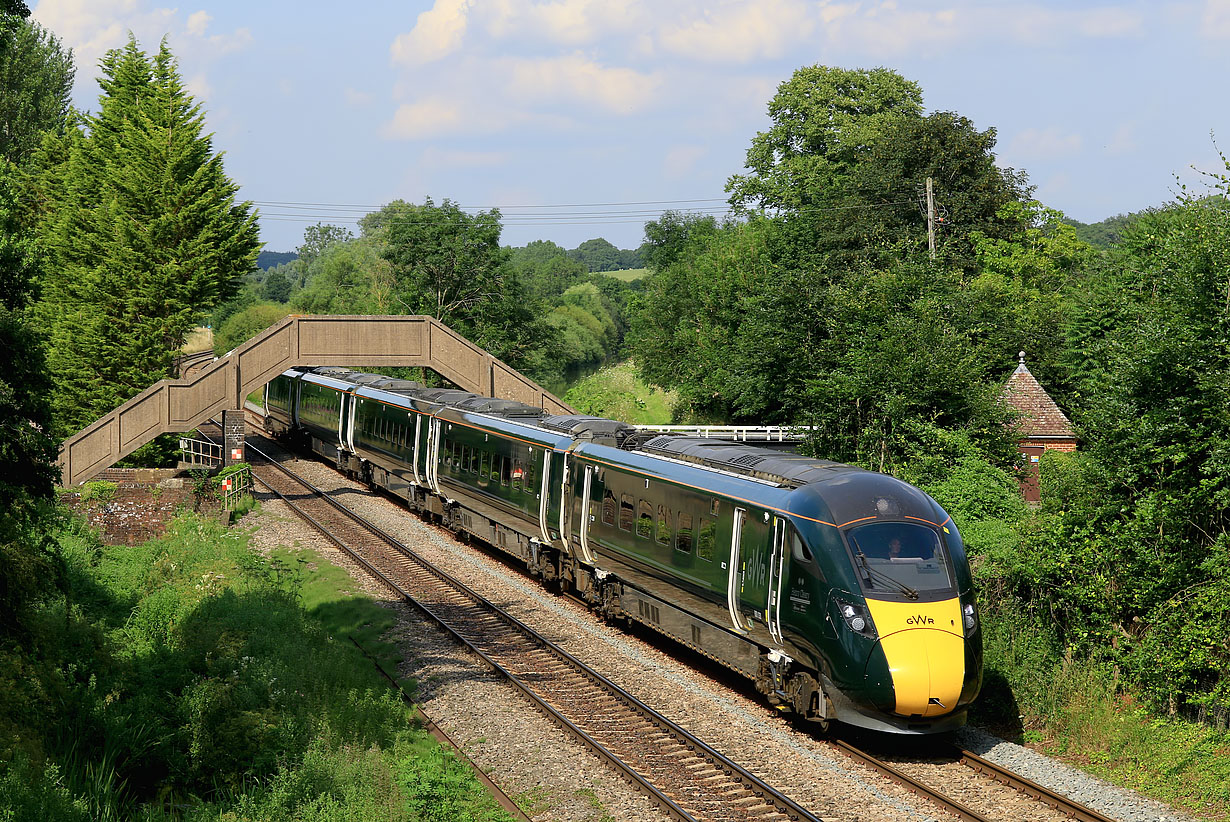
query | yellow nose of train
(924,644)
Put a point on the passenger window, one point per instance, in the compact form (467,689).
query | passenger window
(473,461)
(683,539)
(664,525)
(528,480)
(625,512)
(608,507)
(496,471)
(484,465)
(517,473)
(704,545)
(644,520)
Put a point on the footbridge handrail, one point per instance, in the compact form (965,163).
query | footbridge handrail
(175,406)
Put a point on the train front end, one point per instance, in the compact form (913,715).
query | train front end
(901,643)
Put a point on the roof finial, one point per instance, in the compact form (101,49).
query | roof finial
(1022,356)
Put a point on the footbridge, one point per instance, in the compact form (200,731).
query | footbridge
(175,406)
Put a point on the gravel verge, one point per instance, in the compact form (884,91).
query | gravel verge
(1111,800)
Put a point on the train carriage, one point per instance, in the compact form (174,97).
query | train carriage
(844,594)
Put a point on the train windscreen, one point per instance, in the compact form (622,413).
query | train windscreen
(900,559)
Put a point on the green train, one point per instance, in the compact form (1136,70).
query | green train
(844,594)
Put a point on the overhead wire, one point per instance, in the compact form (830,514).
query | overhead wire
(293,211)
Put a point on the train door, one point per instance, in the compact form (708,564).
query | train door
(752,554)
(587,508)
(565,523)
(418,448)
(777,567)
(544,498)
(734,577)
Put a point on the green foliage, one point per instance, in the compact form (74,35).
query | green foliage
(449,264)
(1106,233)
(346,277)
(98,491)
(243,326)
(545,269)
(745,334)
(144,234)
(27,453)
(600,255)
(617,393)
(823,119)
(672,235)
(186,674)
(36,82)
(277,287)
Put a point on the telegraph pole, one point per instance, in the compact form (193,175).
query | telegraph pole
(930,220)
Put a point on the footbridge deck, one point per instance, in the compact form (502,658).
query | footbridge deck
(175,406)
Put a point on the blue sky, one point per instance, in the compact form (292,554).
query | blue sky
(552,109)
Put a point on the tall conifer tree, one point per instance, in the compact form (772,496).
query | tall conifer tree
(145,234)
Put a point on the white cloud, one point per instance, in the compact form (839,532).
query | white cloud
(1215,20)
(575,79)
(355,97)
(741,32)
(91,28)
(570,23)
(1123,141)
(430,117)
(434,157)
(437,33)
(1044,143)
(198,22)
(680,161)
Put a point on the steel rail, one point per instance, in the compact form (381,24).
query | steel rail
(910,783)
(1055,800)
(752,784)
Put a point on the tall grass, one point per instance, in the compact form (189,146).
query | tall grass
(186,679)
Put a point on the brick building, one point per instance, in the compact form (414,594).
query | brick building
(1042,427)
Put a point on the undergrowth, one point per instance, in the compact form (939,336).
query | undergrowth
(1078,709)
(190,678)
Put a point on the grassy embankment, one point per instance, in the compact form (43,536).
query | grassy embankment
(201,339)
(1073,709)
(192,679)
(627,274)
(618,393)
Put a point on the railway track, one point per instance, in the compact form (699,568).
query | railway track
(188,364)
(687,778)
(1051,799)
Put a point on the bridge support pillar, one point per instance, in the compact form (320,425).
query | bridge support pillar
(233,430)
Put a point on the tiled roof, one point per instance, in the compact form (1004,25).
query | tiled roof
(1042,417)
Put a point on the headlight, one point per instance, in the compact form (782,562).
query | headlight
(857,619)
(970,617)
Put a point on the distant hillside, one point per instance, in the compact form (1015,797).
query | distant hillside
(268,259)
(1106,233)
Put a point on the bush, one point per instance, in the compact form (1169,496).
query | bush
(246,324)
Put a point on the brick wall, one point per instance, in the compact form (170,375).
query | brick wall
(1050,445)
(141,507)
